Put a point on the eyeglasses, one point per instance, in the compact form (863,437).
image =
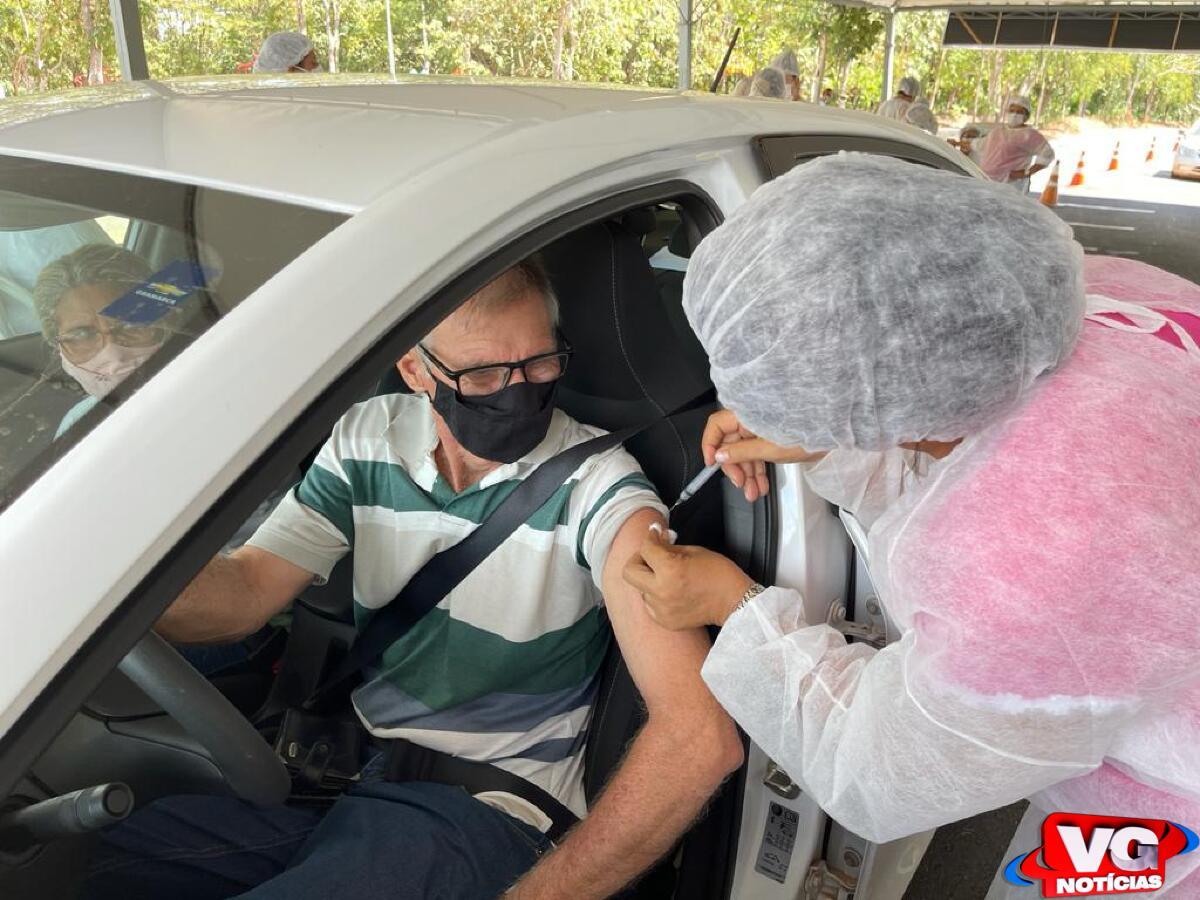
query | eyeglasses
(479,381)
(81,344)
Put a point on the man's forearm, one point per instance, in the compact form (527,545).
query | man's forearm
(219,605)
(662,786)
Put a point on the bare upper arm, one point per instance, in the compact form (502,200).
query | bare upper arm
(273,581)
(665,665)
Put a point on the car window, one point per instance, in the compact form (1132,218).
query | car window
(779,154)
(104,278)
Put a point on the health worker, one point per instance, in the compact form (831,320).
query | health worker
(1006,428)
(769,84)
(897,107)
(1013,152)
(785,62)
(287,51)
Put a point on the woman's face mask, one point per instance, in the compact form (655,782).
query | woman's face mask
(108,368)
(96,350)
(1015,120)
(865,483)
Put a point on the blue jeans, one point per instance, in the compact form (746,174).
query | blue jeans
(385,840)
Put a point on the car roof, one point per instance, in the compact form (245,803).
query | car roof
(338,142)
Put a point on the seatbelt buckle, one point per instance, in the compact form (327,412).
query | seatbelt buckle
(319,751)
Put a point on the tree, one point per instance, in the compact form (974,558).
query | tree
(55,44)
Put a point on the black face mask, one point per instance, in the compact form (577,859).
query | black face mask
(501,427)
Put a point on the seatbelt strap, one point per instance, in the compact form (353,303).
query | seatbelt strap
(447,569)
(406,761)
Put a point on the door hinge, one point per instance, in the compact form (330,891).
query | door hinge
(780,782)
(871,632)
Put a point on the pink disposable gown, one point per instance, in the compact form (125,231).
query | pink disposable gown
(1045,578)
(1006,149)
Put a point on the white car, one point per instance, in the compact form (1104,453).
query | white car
(321,226)
(1186,163)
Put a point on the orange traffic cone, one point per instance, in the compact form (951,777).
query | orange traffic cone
(1077,178)
(1050,194)
(1150,154)
(1113,165)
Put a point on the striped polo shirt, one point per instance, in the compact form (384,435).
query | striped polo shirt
(505,669)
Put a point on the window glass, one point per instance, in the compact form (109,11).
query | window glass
(104,278)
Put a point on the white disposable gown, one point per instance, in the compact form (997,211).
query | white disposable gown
(896,108)
(1044,577)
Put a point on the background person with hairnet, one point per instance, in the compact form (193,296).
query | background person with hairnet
(920,115)
(1013,151)
(786,63)
(897,107)
(287,51)
(1008,444)
(970,137)
(769,84)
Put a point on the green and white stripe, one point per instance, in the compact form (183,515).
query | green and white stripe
(504,669)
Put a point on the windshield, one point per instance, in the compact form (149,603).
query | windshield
(106,277)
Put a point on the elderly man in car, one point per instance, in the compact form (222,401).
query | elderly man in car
(502,672)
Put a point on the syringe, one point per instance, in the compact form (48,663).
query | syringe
(695,484)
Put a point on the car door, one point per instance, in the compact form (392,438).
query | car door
(147,492)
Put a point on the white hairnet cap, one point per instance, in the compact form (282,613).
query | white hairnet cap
(769,83)
(910,86)
(861,302)
(922,116)
(786,63)
(282,50)
(1022,101)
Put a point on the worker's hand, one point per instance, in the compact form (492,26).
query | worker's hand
(685,587)
(743,455)
(1018,174)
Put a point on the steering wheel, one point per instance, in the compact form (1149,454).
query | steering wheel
(250,767)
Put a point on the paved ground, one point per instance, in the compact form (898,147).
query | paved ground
(962,859)
(1138,211)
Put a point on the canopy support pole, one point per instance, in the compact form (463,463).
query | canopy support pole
(889,53)
(127,27)
(387,10)
(685,45)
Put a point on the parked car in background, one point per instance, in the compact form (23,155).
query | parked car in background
(1186,163)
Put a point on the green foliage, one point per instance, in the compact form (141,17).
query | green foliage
(51,44)
(54,44)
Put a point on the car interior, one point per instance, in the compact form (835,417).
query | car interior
(619,283)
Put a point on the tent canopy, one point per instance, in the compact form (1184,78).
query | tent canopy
(1163,25)
(1131,28)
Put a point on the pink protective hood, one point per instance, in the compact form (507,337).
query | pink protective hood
(1051,566)
(1059,555)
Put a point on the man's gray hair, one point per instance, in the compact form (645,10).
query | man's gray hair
(526,277)
(510,286)
(100,264)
